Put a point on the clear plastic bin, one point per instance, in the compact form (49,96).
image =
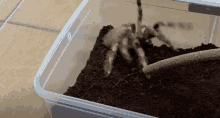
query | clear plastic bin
(70,51)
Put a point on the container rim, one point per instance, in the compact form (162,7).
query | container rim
(215,3)
(104,108)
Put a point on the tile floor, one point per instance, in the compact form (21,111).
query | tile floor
(25,40)
(29,28)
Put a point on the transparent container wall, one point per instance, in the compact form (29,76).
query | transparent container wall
(71,50)
(117,12)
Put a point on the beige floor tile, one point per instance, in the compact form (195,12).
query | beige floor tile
(7,7)
(49,14)
(27,47)
(24,51)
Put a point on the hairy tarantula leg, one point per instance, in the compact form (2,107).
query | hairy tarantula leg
(148,33)
(110,58)
(124,50)
(140,16)
(160,35)
(132,25)
(157,25)
(174,25)
(140,53)
(128,24)
(185,26)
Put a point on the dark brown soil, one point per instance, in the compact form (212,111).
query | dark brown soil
(186,91)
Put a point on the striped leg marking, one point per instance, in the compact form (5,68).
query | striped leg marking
(160,35)
(140,16)
(130,25)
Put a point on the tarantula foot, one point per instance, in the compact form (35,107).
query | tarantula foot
(148,76)
(107,73)
(107,68)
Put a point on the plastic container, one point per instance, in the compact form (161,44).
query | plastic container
(70,51)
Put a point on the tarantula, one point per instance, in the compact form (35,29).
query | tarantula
(127,36)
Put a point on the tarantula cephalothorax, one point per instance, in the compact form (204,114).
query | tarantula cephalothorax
(127,36)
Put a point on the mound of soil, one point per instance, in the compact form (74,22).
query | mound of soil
(186,91)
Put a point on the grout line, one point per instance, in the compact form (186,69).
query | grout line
(35,27)
(213,29)
(26,25)
(11,14)
(13,10)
